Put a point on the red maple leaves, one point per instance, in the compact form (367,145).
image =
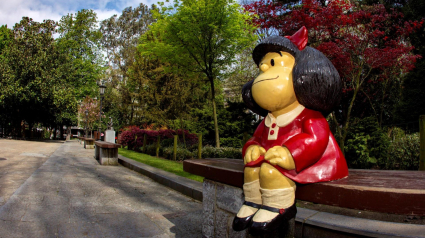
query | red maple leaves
(355,38)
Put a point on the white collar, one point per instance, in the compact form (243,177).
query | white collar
(285,118)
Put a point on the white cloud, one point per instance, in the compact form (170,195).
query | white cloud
(12,11)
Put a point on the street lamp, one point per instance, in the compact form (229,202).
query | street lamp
(87,120)
(102,92)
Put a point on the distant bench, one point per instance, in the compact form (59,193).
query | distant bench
(80,139)
(388,191)
(88,143)
(106,153)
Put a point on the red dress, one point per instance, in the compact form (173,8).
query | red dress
(308,138)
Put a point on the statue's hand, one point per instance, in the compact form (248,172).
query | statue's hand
(253,153)
(280,156)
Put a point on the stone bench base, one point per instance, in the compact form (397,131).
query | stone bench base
(220,203)
(89,143)
(106,153)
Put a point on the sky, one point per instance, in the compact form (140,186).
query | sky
(12,11)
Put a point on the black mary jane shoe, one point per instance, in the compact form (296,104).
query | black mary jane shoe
(261,228)
(241,223)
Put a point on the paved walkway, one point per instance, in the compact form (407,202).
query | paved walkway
(71,195)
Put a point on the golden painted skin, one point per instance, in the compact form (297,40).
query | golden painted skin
(273,90)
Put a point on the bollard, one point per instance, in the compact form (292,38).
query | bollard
(200,146)
(145,138)
(422,142)
(175,148)
(158,142)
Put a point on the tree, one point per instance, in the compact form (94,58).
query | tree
(412,102)
(92,107)
(200,37)
(240,73)
(164,94)
(367,44)
(5,37)
(79,41)
(120,39)
(32,88)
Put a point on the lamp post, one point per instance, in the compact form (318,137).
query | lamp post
(102,92)
(87,120)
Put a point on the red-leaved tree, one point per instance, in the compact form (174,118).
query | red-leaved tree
(368,45)
(92,107)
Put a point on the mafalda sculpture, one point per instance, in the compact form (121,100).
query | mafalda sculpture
(293,145)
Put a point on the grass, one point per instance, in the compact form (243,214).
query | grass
(163,164)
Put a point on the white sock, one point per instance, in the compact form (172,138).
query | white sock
(277,198)
(252,194)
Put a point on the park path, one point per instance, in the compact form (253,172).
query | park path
(71,195)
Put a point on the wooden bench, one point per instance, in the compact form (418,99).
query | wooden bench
(387,191)
(80,140)
(89,143)
(106,153)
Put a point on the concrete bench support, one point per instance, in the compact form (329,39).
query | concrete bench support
(88,143)
(389,193)
(106,153)
(220,203)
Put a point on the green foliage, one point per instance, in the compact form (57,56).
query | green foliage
(231,142)
(151,150)
(32,85)
(181,153)
(120,38)
(199,36)
(403,153)
(79,41)
(233,121)
(366,145)
(222,152)
(396,133)
(5,37)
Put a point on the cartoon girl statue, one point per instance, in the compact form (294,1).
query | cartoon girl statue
(293,145)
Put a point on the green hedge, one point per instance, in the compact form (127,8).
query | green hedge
(181,153)
(403,153)
(222,152)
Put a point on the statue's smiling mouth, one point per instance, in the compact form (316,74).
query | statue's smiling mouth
(266,79)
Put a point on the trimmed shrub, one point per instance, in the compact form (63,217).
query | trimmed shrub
(231,142)
(181,153)
(403,153)
(223,152)
(366,145)
(133,137)
(151,150)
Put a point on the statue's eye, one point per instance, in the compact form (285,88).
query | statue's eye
(272,62)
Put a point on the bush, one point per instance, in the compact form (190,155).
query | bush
(133,137)
(231,142)
(367,144)
(181,154)
(223,152)
(151,150)
(167,142)
(403,153)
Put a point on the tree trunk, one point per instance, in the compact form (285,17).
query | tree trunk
(61,131)
(347,122)
(217,139)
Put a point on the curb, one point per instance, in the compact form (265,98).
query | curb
(182,185)
(309,223)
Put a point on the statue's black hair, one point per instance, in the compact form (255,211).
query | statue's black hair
(317,84)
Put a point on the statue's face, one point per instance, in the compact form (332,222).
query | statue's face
(273,89)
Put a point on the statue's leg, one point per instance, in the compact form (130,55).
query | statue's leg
(278,196)
(251,189)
